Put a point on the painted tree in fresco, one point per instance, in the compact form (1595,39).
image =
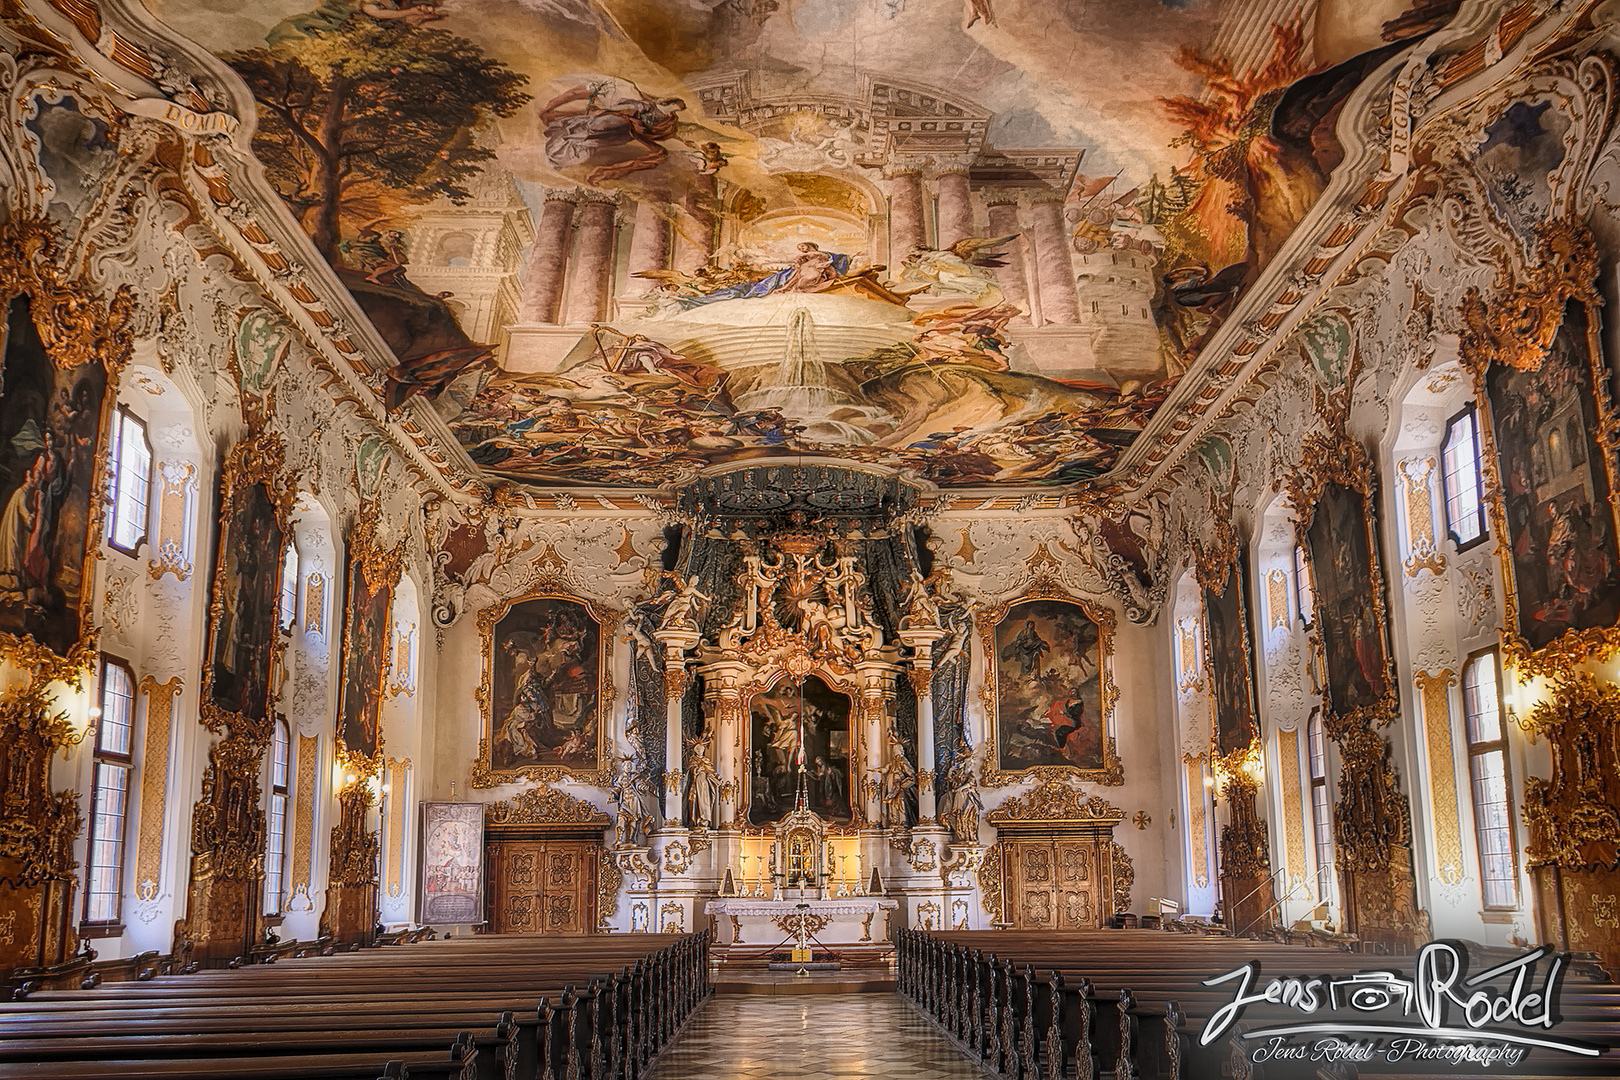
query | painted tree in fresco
(358,117)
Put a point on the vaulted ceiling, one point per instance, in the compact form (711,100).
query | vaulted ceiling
(616,242)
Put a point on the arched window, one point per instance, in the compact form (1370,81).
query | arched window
(130,472)
(1321,809)
(275,841)
(1463,480)
(287,606)
(1488,771)
(1304,595)
(109,797)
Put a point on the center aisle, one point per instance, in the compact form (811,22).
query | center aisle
(813,1037)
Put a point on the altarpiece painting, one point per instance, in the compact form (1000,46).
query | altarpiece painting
(242,642)
(1229,659)
(1555,512)
(452,862)
(365,657)
(545,692)
(50,419)
(1052,690)
(811,715)
(1349,589)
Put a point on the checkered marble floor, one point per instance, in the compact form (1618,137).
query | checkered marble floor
(811,1037)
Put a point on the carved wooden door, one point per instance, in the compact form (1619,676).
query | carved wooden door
(543,886)
(1053,884)
(1077,880)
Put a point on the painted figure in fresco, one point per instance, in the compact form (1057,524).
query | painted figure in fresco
(28,526)
(577,138)
(812,270)
(1026,650)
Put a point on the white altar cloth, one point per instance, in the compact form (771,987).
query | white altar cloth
(845,923)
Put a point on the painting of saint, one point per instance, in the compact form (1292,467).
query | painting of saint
(1555,490)
(246,590)
(808,723)
(365,655)
(1230,660)
(1345,582)
(452,862)
(547,663)
(49,424)
(1047,657)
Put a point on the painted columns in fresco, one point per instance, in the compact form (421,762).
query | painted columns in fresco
(593,259)
(1013,279)
(649,245)
(1059,302)
(694,232)
(906,228)
(548,260)
(955,207)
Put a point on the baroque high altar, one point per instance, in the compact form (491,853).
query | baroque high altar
(806,639)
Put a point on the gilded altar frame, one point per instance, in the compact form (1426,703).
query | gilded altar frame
(1332,457)
(1519,331)
(375,569)
(76,326)
(1112,772)
(256,459)
(484,772)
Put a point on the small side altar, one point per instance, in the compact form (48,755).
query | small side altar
(749,927)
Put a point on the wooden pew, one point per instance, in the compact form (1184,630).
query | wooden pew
(1129,1005)
(398,1011)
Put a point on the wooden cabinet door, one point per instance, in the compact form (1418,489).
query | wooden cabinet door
(568,891)
(1031,880)
(517,871)
(544,886)
(1077,878)
(1055,884)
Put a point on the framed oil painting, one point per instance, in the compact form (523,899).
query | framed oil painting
(366,636)
(242,641)
(1050,694)
(811,714)
(545,694)
(1349,589)
(51,420)
(452,863)
(1229,659)
(1548,432)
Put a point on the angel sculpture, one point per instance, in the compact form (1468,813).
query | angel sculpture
(963,269)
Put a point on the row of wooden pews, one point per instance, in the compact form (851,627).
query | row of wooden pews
(594,1007)
(1130,1004)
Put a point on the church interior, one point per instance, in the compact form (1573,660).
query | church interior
(727,538)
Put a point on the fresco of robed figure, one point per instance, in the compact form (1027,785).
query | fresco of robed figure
(1047,687)
(1342,575)
(365,654)
(249,585)
(1555,490)
(546,666)
(1231,668)
(774,743)
(48,434)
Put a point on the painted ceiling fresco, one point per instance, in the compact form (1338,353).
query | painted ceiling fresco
(619,241)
